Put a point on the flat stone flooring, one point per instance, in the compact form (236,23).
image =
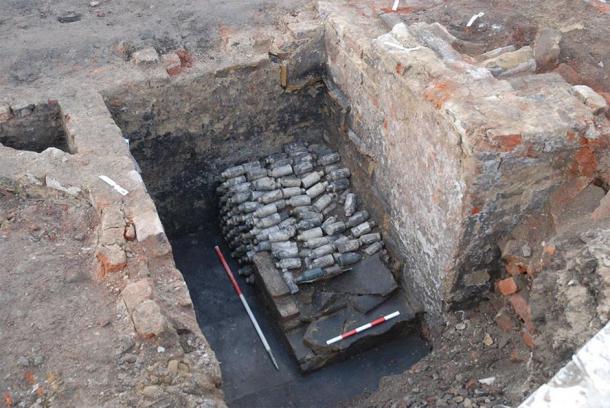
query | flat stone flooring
(250,380)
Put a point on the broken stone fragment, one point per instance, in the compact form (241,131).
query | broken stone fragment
(592,99)
(148,320)
(369,277)
(546,48)
(272,281)
(511,63)
(172,64)
(111,258)
(135,293)
(145,56)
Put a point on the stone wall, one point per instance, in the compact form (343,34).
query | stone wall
(455,157)
(183,131)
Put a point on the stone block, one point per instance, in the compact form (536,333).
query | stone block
(511,63)
(147,223)
(148,319)
(111,258)
(136,292)
(592,99)
(546,48)
(369,277)
(171,62)
(145,56)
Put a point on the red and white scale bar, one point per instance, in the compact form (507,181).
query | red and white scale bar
(362,328)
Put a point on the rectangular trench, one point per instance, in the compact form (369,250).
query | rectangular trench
(183,134)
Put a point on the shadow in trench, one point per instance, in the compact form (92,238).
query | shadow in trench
(250,380)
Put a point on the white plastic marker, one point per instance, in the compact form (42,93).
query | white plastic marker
(474,18)
(114,185)
(395,5)
(243,302)
(362,328)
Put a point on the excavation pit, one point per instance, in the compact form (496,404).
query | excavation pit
(34,127)
(183,134)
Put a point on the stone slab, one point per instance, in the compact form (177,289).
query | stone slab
(365,303)
(319,331)
(369,277)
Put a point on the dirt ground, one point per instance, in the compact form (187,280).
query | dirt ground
(55,321)
(473,363)
(37,49)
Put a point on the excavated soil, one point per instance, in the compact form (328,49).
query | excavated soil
(55,325)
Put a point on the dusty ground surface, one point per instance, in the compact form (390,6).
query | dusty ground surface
(470,349)
(66,338)
(37,49)
(56,331)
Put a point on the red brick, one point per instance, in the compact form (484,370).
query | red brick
(507,286)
